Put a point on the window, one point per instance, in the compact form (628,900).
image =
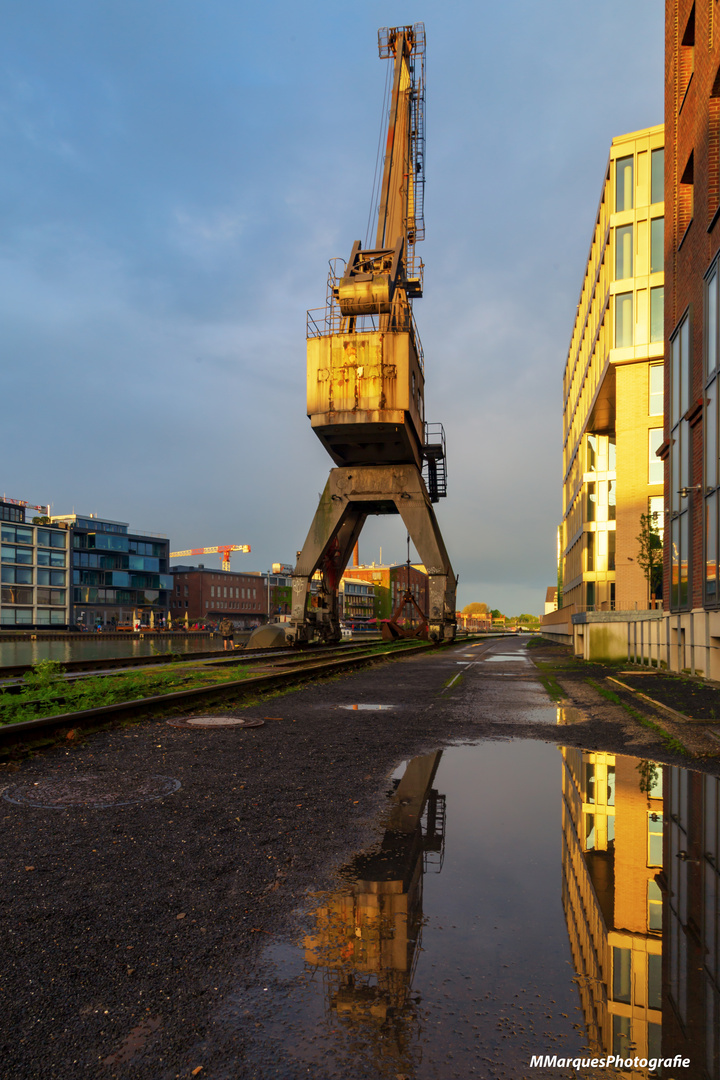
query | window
(656,510)
(589,832)
(16,594)
(16,575)
(16,555)
(611,549)
(624,184)
(589,782)
(50,538)
(623,320)
(591,453)
(622,960)
(623,252)
(657,244)
(686,197)
(590,551)
(655,407)
(14,534)
(655,839)
(611,785)
(655,465)
(51,577)
(657,313)
(654,909)
(654,998)
(591,502)
(679,462)
(590,595)
(657,176)
(50,558)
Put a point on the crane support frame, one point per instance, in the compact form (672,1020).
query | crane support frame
(351,494)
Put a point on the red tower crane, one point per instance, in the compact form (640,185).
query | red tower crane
(221,549)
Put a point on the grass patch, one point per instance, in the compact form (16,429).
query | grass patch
(552,687)
(670,742)
(46,692)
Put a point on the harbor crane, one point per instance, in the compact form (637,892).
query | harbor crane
(222,549)
(366,378)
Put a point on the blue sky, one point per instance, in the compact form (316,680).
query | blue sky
(174,178)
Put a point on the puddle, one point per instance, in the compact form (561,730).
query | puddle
(507,658)
(568,714)
(367,708)
(519,904)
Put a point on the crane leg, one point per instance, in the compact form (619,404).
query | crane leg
(350,494)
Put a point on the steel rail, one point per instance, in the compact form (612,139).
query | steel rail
(299,672)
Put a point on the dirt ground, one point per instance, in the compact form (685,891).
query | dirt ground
(126,927)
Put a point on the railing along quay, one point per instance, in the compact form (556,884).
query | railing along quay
(298,668)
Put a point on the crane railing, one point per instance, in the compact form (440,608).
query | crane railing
(329,320)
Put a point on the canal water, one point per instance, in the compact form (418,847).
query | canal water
(95,647)
(521,904)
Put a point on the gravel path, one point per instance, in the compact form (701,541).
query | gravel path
(128,925)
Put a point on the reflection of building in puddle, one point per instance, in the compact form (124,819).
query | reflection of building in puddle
(612,855)
(568,714)
(367,934)
(691,1005)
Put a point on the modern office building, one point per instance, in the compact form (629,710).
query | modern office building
(119,577)
(691,447)
(35,593)
(612,858)
(613,387)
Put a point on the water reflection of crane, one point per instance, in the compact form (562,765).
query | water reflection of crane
(367,934)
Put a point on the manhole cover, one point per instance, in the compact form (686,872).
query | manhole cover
(97,792)
(216,722)
(367,708)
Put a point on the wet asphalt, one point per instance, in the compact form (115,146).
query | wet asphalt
(129,927)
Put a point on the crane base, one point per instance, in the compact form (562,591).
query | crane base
(350,494)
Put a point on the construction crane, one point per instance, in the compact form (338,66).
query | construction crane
(366,378)
(221,549)
(28,506)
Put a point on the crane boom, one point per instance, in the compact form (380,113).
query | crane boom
(221,549)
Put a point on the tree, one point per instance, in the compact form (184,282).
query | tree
(43,519)
(650,552)
(497,614)
(475,609)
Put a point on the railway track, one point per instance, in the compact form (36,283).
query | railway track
(286,670)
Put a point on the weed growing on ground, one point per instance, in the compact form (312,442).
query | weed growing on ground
(46,692)
(670,742)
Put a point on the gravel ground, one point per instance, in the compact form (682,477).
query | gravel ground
(126,928)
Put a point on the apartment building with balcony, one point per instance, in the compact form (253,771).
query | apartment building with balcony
(35,593)
(613,387)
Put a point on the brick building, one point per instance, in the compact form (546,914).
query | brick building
(390,583)
(692,330)
(206,595)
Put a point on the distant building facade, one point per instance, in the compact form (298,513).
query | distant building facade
(203,595)
(119,577)
(357,600)
(390,582)
(35,588)
(613,386)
